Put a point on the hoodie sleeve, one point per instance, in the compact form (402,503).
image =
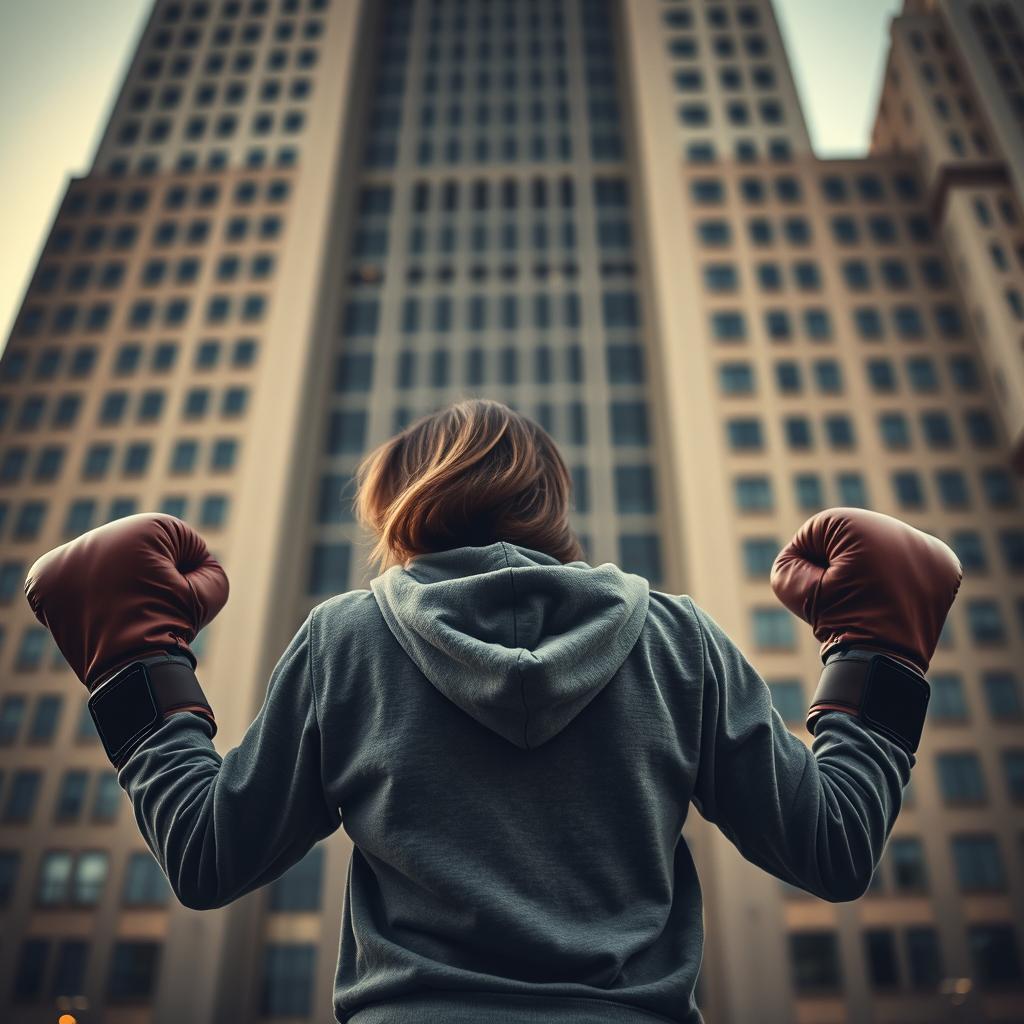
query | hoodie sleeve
(222,827)
(817,818)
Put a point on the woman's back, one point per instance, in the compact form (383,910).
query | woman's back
(513,744)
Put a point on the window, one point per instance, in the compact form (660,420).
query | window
(797,230)
(728,326)
(136,458)
(29,522)
(144,882)
(151,404)
(828,375)
(985,621)
(299,888)
(818,324)
(788,377)
(809,494)
(788,700)
(773,628)
(12,713)
(85,731)
(769,277)
(852,490)
(881,375)
(1013,771)
(620,309)
(69,971)
(9,863)
(71,796)
(89,877)
(80,517)
(908,322)
(814,959)
(736,378)
(999,487)
(1002,695)
(213,510)
(894,430)
(909,872)
(714,232)
(328,568)
(288,971)
(924,957)
(960,778)
(947,703)
(29,655)
(834,188)
(361,318)
(21,797)
(196,403)
(952,487)
(807,276)
(798,433)
(640,553)
(720,277)
(981,428)
(994,955)
(868,323)
(937,429)
(978,863)
(107,797)
(744,434)
(839,430)
(856,275)
(54,878)
(233,401)
(706,190)
(30,969)
(354,372)
(1011,545)
(880,958)
(634,489)
(629,423)
(753,494)
(133,971)
(759,555)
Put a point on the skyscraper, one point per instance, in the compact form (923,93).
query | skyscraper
(310,221)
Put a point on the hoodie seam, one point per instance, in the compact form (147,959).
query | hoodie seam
(705,661)
(311,644)
(515,640)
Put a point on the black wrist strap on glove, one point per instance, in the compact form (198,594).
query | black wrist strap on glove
(883,692)
(136,699)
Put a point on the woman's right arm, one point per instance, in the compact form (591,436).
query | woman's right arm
(817,818)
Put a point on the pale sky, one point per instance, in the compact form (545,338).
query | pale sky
(62,62)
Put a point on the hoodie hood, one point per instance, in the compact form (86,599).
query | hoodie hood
(518,640)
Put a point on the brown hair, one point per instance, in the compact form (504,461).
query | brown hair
(469,474)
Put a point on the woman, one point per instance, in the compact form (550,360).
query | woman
(511,737)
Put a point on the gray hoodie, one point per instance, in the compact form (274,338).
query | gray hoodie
(513,745)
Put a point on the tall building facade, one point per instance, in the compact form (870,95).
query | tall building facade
(310,221)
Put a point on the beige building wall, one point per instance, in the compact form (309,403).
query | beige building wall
(750,978)
(682,231)
(252,533)
(953,95)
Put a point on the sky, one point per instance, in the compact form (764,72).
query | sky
(62,62)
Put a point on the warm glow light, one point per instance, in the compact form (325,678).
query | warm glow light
(66,1018)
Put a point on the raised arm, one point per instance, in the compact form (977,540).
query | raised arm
(123,602)
(876,592)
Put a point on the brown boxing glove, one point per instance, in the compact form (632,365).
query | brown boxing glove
(123,602)
(876,592)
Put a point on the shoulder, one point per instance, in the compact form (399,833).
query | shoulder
(344,617)
(673,630)
(673,612)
